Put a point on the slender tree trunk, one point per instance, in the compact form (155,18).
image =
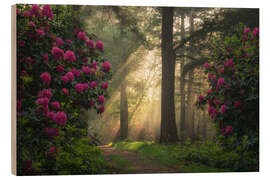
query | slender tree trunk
(123,112)
(168,124)
(204,126)
(190,109)
(182,84)
(198,125)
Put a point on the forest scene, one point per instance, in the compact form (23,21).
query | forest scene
(129,89)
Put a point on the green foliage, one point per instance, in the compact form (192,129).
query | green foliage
(199,156)
(80,158)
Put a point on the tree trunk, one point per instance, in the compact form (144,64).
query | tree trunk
(190,109)
(123,112)
(168,124)
(182,84)
(204,126)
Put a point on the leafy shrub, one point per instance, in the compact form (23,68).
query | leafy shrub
(80,158)
(56,79)
(233,74)
(214,154)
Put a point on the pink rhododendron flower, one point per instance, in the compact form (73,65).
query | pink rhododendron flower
(57,53)
(217,101)
(99,45)
(101,109)
(58,41)
(255,32)
(90,43)
(94,65)
(31,60)
(60,68)
(40,32)
(206,65)
(50,115)
(76,72)
(223,109)
(79,87)
(85,86)
(45,58)
(52,150)
(221,70)
(42,101)
(47,11)
(70,56)
(228,129)
(221,82)
(81,36)
(64,79)
(46,77)
(86,69)
(27,14)
(52,131)
(106,66)
(246,30)
(68,41)
(20,43)
(101,99)
(45,93)
(18,11)
(35,10)
(65,91)
(70,76)
(31,23)
(85,60)
(201,98)
(60,118)
(23,73)
(104,85)
(237,104)
(93,84)
(229,63)
(55,105)
(212,111)
(209,92)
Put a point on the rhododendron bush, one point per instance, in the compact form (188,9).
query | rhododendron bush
(233,74)
(56,79)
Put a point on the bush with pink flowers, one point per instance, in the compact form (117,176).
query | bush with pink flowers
(56,79)
(233,97)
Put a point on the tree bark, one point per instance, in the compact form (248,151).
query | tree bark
(123,112)
(168,124)
(204,126)
(190,109)
(182,84)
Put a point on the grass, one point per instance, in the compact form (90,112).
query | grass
(163,155)
(121,163)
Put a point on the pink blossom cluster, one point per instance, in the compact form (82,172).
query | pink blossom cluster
(57,53)
(70,56)
(106,66)
(81,87)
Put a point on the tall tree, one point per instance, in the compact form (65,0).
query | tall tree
(168,124)
(190,89)
(182,81)
(123,112)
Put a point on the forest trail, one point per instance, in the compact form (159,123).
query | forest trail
(122,161)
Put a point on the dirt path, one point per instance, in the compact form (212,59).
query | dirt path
(129,162)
